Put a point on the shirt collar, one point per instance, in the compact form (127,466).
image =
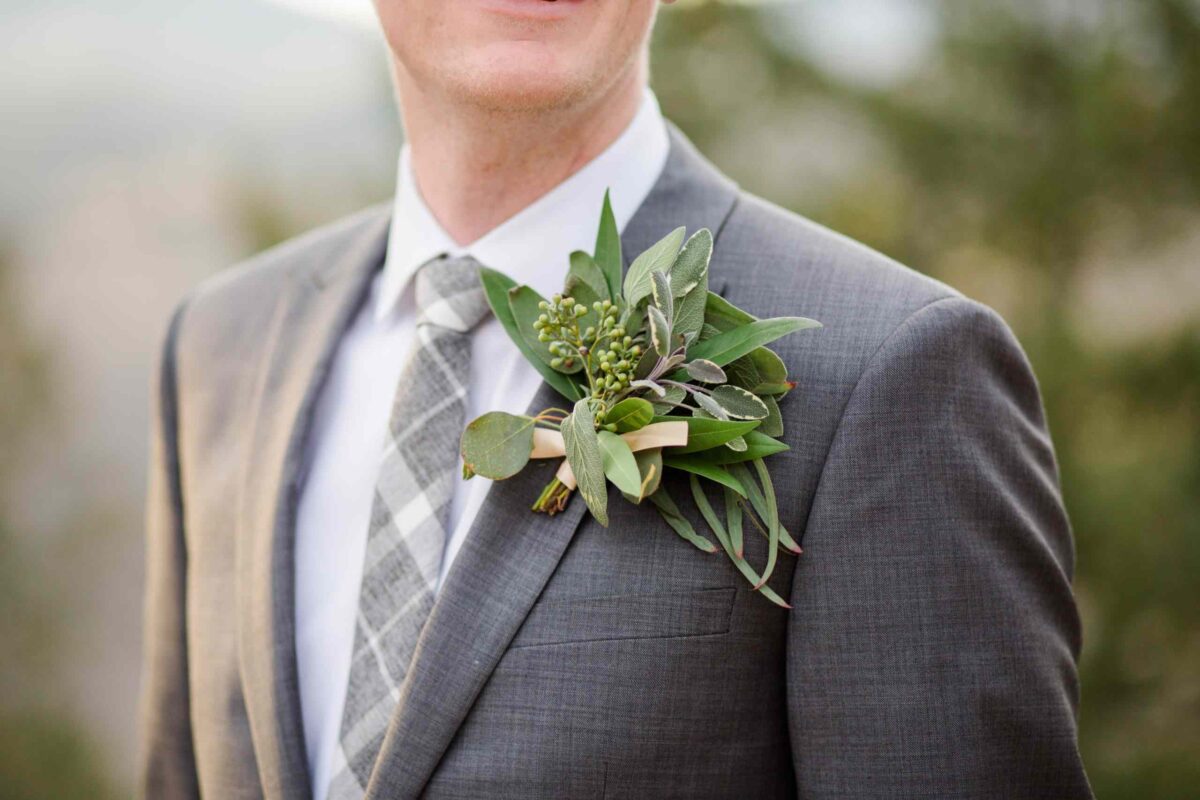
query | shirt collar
(532,246)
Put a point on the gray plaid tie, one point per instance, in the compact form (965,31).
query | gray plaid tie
(409,519)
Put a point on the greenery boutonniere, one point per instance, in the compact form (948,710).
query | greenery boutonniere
(661,374)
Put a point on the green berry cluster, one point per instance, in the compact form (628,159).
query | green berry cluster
(608,354)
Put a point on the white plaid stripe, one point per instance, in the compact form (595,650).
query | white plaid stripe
(409,516)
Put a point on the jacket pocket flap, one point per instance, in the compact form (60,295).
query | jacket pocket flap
(700,612)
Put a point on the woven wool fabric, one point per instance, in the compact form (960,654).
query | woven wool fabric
(409,518)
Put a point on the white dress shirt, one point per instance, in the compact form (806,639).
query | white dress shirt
(352,412)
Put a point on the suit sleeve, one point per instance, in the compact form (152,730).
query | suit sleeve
(167,766)
(934,638)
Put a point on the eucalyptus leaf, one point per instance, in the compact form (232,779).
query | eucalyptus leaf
(705,469)
(660,331)
(705,371)
(585,270)
(608,250)
(739,403)
(772,520)
(497,445)
(705,434)
(496,286)
(735,556)
(671,514)
(583,454)
(733,521)
(630,414)
(759,504)
(620,466)
(650,465)
(659,257)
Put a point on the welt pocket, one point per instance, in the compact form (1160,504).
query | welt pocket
(697,612)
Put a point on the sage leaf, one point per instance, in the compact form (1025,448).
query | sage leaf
(583,454)
(660,331)
(737,342)
(651,386)
(584,270)
(705,434)
(608,250)
(670,399)
(658,258)
(691,266)
(710,405)
(660,290)
(679,523)
(739,403)
(496,286)
(497,445)
(705,469)
(630,414)
(772,424)
(705,371)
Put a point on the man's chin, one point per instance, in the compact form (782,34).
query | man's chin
(517,82)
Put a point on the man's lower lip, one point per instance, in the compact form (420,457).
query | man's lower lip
(533,9)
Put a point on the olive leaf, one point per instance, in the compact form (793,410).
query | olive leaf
(583,454)
(608,250)
(705,433)
(630,414)
(585,270)
(737,342)
(705,469)
(705,371)
(658,258)
(619,464)
(497,445)
(496,286)
(758,445)
(523,301)
(739,403)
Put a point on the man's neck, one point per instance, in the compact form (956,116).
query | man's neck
(475,169)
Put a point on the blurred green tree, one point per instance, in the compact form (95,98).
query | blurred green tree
(1036,146)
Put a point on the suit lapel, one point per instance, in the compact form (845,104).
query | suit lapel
(510,553)
(312,312)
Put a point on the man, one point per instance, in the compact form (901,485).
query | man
(333,612)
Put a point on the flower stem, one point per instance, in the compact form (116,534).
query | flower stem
(553,498)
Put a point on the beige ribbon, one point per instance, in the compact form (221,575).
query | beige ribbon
(549,444)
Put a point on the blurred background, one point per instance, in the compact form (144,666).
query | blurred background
(1043,157)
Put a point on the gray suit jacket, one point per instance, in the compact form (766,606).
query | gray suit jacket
(932,647)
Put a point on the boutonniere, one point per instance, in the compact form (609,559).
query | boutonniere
(658,373)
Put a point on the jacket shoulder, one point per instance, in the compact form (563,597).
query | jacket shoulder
(805,258)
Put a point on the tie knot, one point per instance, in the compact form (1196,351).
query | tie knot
(449,294)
